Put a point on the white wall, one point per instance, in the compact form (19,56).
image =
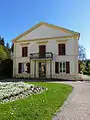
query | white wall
(44,32)
(51,46)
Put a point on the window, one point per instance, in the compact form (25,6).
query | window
(62,67)
(61,49)
(23,67)
(24,51)
(42,50)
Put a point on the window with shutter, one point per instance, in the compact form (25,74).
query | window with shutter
(67,67)
(61,49)
(24,51)
(62,67)
(42,50)
(28,67)
(19,67)
(56,67)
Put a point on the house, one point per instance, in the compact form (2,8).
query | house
(46,51)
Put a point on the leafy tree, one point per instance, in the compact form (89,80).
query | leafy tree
(87,68)
(4,53)
(81,53)
(2,41)
(7,45)
(81,57)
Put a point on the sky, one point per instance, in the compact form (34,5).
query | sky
(17,16)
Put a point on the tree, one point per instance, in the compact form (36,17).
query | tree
(7,45)
(4,53)
(2,41)
(81,53)
(87,68)
(82,57)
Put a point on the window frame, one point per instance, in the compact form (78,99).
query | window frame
(23,69)
(62,67)
(62,51)
(24,51)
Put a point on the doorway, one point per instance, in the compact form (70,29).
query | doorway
(42,50)
(42,70)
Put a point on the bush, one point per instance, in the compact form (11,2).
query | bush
(86,72)
(6,68)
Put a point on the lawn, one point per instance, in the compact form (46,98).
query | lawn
(36,107)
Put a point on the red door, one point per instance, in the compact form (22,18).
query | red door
(42,50)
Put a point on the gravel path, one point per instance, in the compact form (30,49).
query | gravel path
(77,106)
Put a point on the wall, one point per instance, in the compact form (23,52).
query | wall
(51,46)
(44,32)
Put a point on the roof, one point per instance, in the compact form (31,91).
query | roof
(49,25)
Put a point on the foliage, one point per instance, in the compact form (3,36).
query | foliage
(87,67)
(4,53)
(6,68)
(37,107)
(81,52)
(7,45)
(82,58)
(5,61)
(2,42)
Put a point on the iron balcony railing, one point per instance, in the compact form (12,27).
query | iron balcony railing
(39,55)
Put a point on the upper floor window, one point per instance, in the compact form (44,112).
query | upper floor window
(42,50)
(24,51)
(61,49)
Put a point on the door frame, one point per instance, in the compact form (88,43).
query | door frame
(41,67)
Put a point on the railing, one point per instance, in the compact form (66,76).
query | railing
(39,56)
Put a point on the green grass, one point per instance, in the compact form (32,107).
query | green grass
(37,107)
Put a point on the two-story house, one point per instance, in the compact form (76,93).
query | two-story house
(46,51)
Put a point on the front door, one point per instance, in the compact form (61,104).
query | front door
(42,70)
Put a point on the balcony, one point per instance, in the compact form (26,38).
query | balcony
(41,56)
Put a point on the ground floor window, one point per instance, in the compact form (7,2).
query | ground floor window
(23,67)
(62,67)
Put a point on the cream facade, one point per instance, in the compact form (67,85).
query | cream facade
(49,36)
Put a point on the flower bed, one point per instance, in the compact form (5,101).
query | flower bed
(10,91)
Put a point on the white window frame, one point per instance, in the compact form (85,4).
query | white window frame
(24,67)
(62,67)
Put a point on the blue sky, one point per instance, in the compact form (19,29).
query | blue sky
(16,16)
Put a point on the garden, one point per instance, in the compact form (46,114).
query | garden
(31,101)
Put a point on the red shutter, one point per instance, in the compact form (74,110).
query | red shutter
(59,49)
(63,49)
(28,67)
(67,67)
(56,67)
(24,51)
(19,67)
(42,50)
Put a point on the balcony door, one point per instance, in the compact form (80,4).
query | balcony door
(42,50)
